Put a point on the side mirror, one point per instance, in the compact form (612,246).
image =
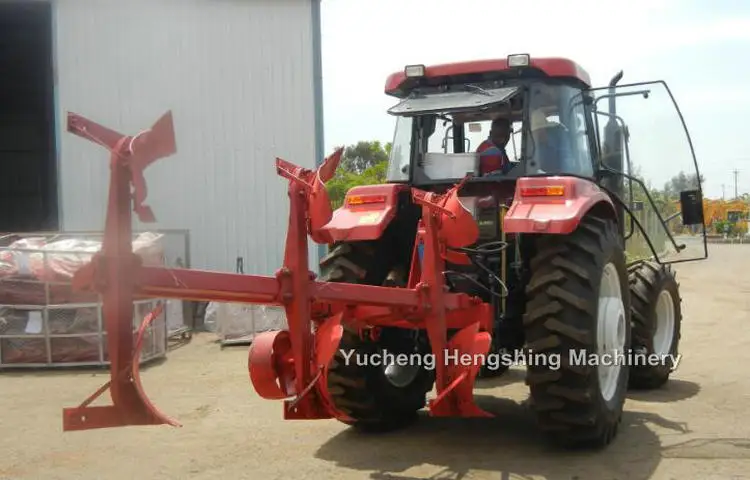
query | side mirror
(691,204)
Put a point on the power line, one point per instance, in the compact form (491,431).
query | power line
(736,173)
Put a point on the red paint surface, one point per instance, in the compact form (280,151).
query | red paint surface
(554,67)
(368,221)
(553,214)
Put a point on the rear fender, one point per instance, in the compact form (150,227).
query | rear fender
(365,214)
(554,205)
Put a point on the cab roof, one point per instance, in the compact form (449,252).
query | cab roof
(398,85)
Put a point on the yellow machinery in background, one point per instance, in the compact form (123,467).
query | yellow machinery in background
(718,215)
(720,212)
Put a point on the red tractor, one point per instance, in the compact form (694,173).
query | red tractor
(447,272)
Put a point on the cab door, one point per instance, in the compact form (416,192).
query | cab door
(646,157)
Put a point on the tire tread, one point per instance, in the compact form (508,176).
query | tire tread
(560,317)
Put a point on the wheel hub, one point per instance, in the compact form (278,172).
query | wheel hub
(665,321)
(401,376)
(611,332)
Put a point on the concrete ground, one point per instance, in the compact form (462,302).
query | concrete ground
(695,428)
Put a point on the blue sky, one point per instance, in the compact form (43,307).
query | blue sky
(700,48)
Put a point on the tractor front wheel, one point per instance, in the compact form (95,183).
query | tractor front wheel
(577,326)
(657,321)
(378,397)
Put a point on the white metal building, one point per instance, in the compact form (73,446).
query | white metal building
(242,78)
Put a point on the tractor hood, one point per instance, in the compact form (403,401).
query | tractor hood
(472,99)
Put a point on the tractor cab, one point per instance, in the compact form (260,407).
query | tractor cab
(441,128)
(559,126)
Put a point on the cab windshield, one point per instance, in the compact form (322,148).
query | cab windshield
(437,134)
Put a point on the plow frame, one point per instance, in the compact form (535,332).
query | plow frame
(292,364)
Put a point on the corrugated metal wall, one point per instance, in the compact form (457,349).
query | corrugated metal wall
(238,76)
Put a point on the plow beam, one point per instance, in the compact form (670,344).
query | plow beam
(112,271)
(206,286)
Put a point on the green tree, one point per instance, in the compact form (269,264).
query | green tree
(363,155)
(364,163)
(680,183)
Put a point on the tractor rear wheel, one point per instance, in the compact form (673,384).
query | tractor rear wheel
(657,322)
(578,315)
(377,397)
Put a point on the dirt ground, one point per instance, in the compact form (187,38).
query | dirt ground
(695,428)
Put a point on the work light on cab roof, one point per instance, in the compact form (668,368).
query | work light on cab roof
(414,71)
(520,65)
(517,60)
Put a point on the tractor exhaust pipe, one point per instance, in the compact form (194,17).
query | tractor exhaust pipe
(612,99)
(613,146)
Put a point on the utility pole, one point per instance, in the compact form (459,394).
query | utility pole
(736,193)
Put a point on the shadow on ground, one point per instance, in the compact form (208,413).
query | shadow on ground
(509,446)
(672,391)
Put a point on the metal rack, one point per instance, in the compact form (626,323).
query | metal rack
(69,335)
(238,323)
(44,323)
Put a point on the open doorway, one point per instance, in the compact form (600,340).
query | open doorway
(28,165)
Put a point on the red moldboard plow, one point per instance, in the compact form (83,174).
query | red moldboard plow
(291,364)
